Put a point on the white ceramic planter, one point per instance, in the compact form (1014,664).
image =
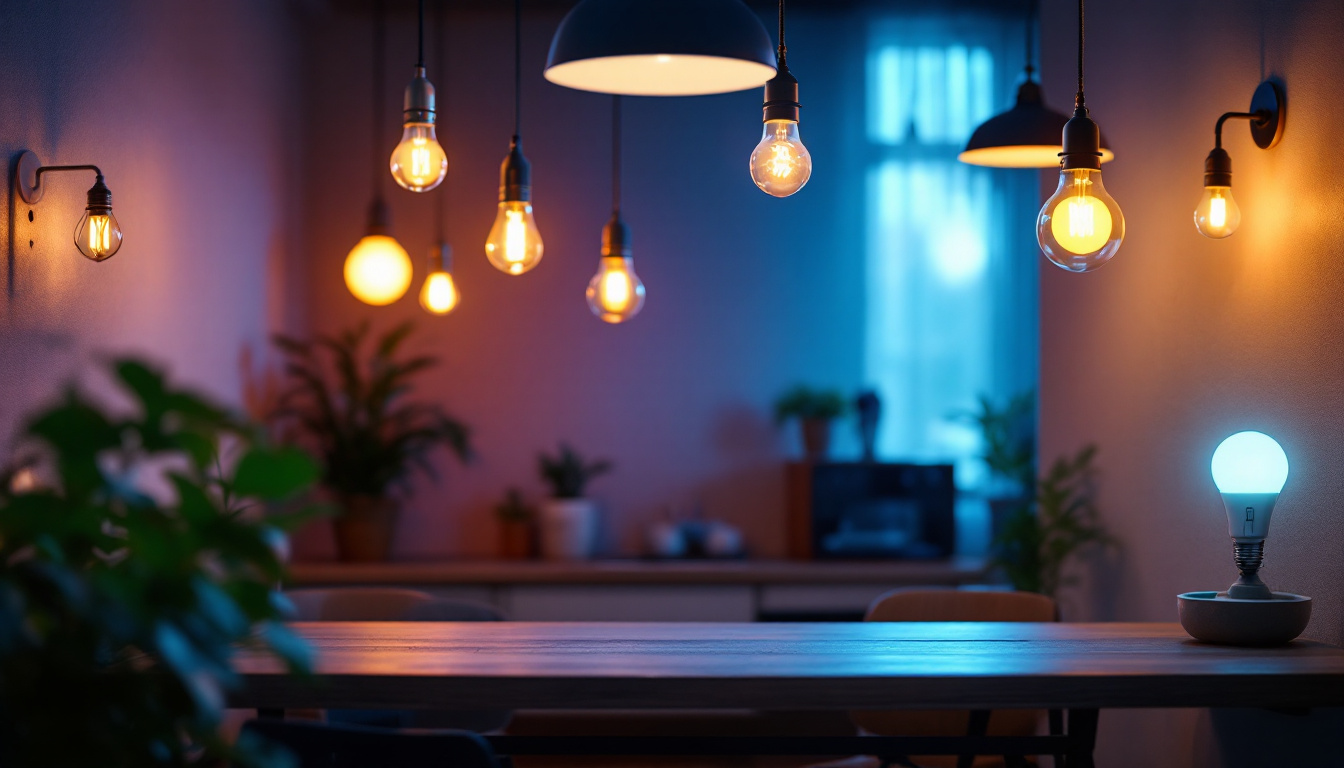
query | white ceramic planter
(568,529)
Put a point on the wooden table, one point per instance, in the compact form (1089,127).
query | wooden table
(976,666)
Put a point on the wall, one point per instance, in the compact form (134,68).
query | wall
(187,109)
(1181,341)
(746,294)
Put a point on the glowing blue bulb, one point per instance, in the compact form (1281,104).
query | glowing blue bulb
(1250,462)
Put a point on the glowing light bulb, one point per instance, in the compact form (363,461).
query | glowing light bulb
(514,245)
(1081,226)
(418,162)
(1250,469)
(780,164)
(1217,214)
(439,294)
(615,294)
(378,271)
(98,235)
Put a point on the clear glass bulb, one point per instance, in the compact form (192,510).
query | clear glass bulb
(780,164)
(1217,214)
(378,271)
(418,162)
(514,245)
(439,294)
(98,235)
(615,294)
(1080,227)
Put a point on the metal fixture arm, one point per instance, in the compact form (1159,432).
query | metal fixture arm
(46,168)
(1259,117)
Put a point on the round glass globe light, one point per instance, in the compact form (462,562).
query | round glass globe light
(1250,462)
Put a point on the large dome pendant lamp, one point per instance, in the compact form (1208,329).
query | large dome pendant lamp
(514,245)
(418,162)
(377,270)
(1026,136)
(661,48)
(615,294)
(780,164)
(1081,226)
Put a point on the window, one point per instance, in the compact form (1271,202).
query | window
(950,249)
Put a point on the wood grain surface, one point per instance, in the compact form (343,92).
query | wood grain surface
(787,666)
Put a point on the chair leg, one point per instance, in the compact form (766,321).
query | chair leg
(1057,729)
(1082,737)
(977,724)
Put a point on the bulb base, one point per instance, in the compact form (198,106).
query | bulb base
(616,237)
(441,257)
(100,198)
(515,175)
(379,218)
(1218,168)
(1081,143)
(1249,556)
(781,96)
(418,104)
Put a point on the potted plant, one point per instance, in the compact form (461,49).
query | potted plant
(353,409)
(517,537)
(1009,436)
(132,567)
(815,410)
(568,518)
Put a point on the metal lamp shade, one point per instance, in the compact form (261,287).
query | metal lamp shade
(661,48)
(1026,136)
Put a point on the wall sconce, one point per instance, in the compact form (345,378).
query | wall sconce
(97,235)
(1217,214)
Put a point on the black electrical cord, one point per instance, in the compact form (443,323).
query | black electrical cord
(782,48)
(1033,13)
(517,69)
(420,57)
(441,41)
(615,154)
(378,168)
(1080,100)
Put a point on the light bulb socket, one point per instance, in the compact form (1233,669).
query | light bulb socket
(418,105)
(379,217)
(1029,92)
(616,237)
(1081,143)
(1218,168)
(515,175)
(1249,557)
(441,258)
(100,198)
(781,96)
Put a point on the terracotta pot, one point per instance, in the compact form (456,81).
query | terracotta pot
(516,540)
(364,528)
(816,438)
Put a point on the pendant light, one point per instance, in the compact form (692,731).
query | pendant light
(439,296)
(514,245)
(418,162)
(615,294)
(780,164)
(661,48)
(1081,226)
(1026,136)
(377,270)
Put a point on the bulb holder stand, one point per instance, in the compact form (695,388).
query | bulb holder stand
(28,182)
(1267,116)
(1249,556)
(1081,142)
(616,238)
(1218,168)
(781,96)
(418,104)
(515,175)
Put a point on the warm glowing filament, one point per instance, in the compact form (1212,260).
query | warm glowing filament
(1217,211)
(515,239)
(1081,223)
(781,162)
(616,291)
(100,235)
(439,294)
(419,159)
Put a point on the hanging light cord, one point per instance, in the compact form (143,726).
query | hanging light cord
(615,154)
(441,42)
(782,49)
(1033,12)
(517,69)
(420,58)
(1080,102)
(378,168)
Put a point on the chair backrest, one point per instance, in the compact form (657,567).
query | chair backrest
(383,604)
(954,605)
(318,745)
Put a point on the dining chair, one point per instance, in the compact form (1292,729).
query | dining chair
(390,604)
(321,745)
(954,605)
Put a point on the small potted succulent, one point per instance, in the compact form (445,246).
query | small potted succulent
(352,409)
(517,534)
(815,410)
(568,518)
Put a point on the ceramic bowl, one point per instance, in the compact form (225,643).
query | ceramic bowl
(1216,618)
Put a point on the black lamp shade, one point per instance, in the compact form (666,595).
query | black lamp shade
(661,48)
(1026,136)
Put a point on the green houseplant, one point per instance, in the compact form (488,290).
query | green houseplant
(568,519)
(354,410)
(815,410)
(1008,433)
(130,570)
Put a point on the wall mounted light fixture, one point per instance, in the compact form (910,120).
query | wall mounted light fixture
(1081,226)
(661,48)
(418,162)
(615,294)
(780,164)
(514,245)
(1217,214)
(97,235)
